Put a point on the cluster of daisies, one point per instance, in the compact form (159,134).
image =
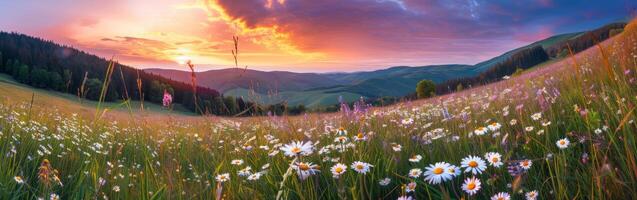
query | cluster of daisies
(441,172)
(434,174)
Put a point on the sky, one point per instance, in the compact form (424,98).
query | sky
(304,35)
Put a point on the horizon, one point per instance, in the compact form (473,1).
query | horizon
(278,35)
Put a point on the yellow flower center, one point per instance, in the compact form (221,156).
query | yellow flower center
(495,159)
(438,170)
(359,167)
(473,164)
(339,170)
(562,142)
(304,166)
(360,135)
(471,186)
(296,150)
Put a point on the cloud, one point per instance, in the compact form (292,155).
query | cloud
(307,35)
(392,28)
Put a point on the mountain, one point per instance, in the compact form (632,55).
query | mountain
(261,81)
(321,89)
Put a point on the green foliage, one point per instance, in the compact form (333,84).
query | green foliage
(517,72)
(563,54)
(22,74)
(15,68)
(425,88)
(156,93)
(615,31)
(55,81)
(40,78)
(94,87)
(231,104)
(7,67)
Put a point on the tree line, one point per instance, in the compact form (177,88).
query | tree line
(586,40)
(521,60)
(45,64)
(530,57)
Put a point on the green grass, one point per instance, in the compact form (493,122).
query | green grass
(590,102)
(310,98)
(18,91)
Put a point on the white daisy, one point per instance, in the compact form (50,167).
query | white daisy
(297,148)
(384,182)
(18,179)
(532,195)
(341,139)
(526,164)
(501,196)
(563,143)
(536,116)
(415,158)
(305,169)
(255,176)
(437,173)
(338,170)
(360,137)
(396,147)
(341,131)
(415,173)
(471,185)
(236,162)
(223,177)
(361,167)
(494,126)
(547,123)
(494,159)
(453,170)
(245,172)
(473,164)
(481,130)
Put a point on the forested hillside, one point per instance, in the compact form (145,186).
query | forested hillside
(44,64)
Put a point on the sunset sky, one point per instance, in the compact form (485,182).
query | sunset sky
(304,35)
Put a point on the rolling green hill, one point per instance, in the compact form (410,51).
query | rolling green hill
(317,89)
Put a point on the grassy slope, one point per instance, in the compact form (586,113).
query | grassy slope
(47,98)
(179,158)
(308,98)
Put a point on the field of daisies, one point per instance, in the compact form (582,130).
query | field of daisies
(565,130)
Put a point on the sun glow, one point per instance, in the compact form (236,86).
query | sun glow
(182,56)
(182,59)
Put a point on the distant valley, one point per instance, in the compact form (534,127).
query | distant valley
(322,89)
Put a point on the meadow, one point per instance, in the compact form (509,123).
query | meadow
(565,130)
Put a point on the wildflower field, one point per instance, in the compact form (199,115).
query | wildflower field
(565,130)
